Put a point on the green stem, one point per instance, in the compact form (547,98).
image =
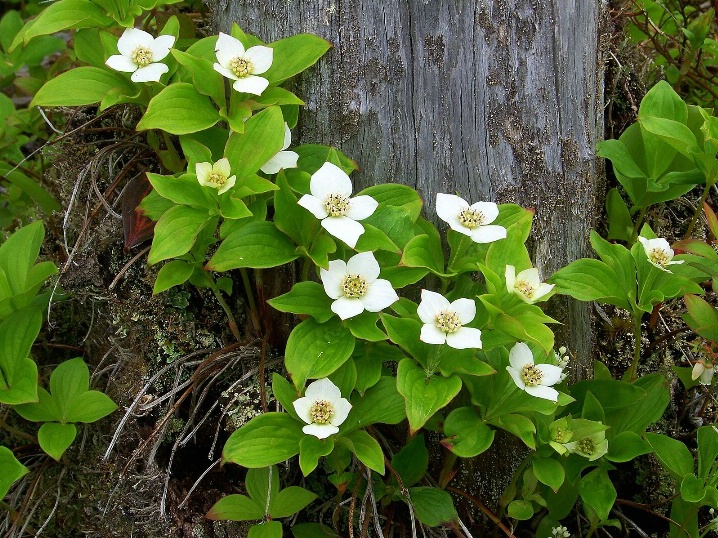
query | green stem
(698,210)
(637,226)
(504,502)
(461,248)
(232,322)
(633,369)
(253,313)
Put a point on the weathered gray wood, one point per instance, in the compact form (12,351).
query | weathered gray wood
(496,100)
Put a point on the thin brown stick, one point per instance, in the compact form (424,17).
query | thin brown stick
(485,509)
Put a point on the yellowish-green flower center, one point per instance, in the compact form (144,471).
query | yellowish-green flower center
(321,412)
(217,178)
(241,67)
(525,289)
(354,286)
(142,56)
(558,435)
(531,375)
(659,257)
(471,218)
(586,446)
(336,205)
(447,321)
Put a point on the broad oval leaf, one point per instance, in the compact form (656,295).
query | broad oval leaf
(257,245)
(265,440)
(179,109)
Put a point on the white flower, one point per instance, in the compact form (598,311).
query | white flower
(444,322)
(355,286)
(322,408)
(283,159)
(560,532)
(659,252)
(535,379)
(140,54)
(215,175)
(703,371)
(527,284)
(241,65)
(330,200)
(591,447)
(473,220)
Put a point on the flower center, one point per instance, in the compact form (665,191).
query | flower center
(142,56)
(659,257)
(321,412)
(524,288)
(471,218)
(336,205)
(587,446)
(217,179)
(558,435)
(531,375)
(447,321)
(354,286)
(241,67)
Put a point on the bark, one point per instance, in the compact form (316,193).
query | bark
(493,99)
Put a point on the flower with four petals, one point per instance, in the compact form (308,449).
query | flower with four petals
(242,66)
(216,175)
(444,321)
(473,220)
(535,379)
(527,284)
(322,408)
(659,252)
(140,54)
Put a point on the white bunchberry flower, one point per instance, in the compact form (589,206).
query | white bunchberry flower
(215,175)
(535,379)
(591,447)
(444,322)
(527,284)
(659,252)
(140,54)
(560,532)
(283,159)
(473,220)
(330,200)
(703,371)
(322,408)
(242,65)
(562,359)
(355,286)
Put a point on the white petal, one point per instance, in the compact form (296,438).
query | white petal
(364,264)
(283,159)
(152,72)
(302,407)
(448,207)
(510,275)
(287,136)
(675,262)
(516,375)
(203,170)
(360,207)
(530,276)
(432,335)
(332,279)
(488,234)
(222,167)
(320,431)
(227,184)
(251,84)
(466,308)
(314,205)
(323,389)
(698,369)
(330,179)
(431,304)
(488,209)
(261,58)
(343,228)
(707,375)
(547,393)
(520,355)
(341,411)
(379,295)
(551,374)
(346,308)
(133,38)
(227,48)
(161,46)
(121,63)
(225,72)
(464,338)
(542,290)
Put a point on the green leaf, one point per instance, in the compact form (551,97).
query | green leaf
(206,80)
(81,86)
(265,440)
(521,510)
(626,446)
(467,435)
(316,350)
(11,470)
(290,500)
(235,508)
(267,529)
(17,334)
(257,245)
(590,280)
(179,109)
(262,138)
(662,101)
(611,394)
(707,450)
(692,489)
(294,54)
(375,239)
(673,454)
(596,490)
(310,450)
(18,254)
(90,406)
(312,530)
(412,461)
(183,190)
(518,425)
(424,394)
(292,219)
(422,252)
(364,327)
(262,483)
(366,449)
(405,333)
(620,223)
(702,317)
(56,438)
(68,381)
(549,471)
(285,394)
(381,403)
(432,506)
(396,195)
(172,274)
(176,232)
(305,298)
